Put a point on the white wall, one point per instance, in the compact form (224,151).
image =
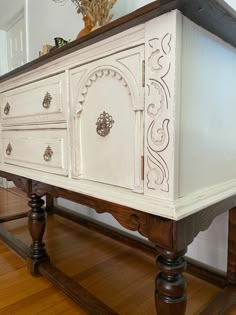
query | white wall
(3,52)
(46,20)
(123,7)
(232,3)
(9,9)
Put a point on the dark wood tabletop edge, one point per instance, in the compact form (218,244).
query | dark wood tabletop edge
(214,15)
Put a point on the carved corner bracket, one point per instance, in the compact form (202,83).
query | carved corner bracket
(23,184)
(20,182)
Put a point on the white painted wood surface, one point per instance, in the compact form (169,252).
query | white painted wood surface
(208,99)
(150,118)
(161,105)
(28,149)
(112,85)
(26,103)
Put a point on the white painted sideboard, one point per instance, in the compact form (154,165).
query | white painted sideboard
(167,85)
(135,119)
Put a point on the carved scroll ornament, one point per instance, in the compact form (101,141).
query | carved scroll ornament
(158,136)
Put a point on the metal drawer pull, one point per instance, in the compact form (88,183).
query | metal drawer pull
(48,154)
(9,149)
(104,124)
(47,100)
(7,109)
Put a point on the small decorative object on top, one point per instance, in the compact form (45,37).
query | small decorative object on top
(97,12)
(87,27)
(46,49)
(60,42)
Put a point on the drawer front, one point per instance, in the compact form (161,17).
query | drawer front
(44,150)
(107,103)
(34,103)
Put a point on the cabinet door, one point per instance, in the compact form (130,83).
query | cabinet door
(107,119)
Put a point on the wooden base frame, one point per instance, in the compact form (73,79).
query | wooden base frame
(196,269)
(170,238)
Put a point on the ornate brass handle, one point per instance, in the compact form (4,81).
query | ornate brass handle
(47,100)
(9,149)
(7,109)
(104,124)
(48,154)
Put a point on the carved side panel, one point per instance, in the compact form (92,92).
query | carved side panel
(160,106)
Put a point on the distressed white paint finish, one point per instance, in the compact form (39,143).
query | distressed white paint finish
(110,193)
(27,103)
(207,134)
(160,106)
(28,149)
(112,85)
(205,248)
(108,76)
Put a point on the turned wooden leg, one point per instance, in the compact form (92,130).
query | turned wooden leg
(170,291)
(49,204)
(37,223)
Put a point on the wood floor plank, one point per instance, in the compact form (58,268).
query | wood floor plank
(201,299)
(18,192)
(8,197)
(47,301)
(9,262)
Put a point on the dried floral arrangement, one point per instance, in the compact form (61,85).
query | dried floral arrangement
(98,11)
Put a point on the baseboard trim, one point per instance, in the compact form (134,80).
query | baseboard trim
(194,268)
(223,304)
(14,243)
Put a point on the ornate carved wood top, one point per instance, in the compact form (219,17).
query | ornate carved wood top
(214,15)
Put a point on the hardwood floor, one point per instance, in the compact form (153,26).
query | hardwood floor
(121,276)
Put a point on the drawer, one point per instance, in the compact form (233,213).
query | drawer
(34,103)
(43,150)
